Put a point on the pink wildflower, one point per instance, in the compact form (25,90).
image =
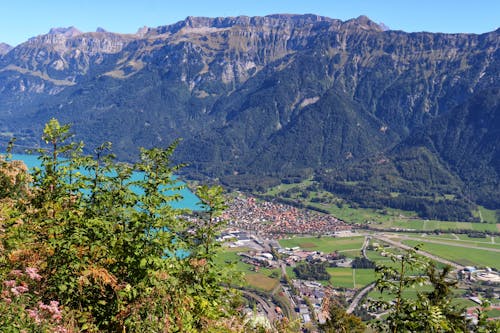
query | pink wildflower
(33,273)
(33,313)
(61,329)
(10,283)
(52,309)
(16,272)
(16,291)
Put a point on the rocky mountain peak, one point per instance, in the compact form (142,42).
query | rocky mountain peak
(67,32)
(384,27)
(363,22)
(4,48)
(142,31)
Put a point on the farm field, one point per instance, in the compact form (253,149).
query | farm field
(324,244)
(261,281)
(350,278)
(351,253)
(461,255)
(493,313)
(410,293)
(344,277)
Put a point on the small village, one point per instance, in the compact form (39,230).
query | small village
(253,233)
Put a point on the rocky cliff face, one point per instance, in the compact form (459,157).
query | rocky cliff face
(281,94)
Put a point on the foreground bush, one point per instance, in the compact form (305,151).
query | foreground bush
(86,248)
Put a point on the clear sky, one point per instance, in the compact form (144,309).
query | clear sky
(22,19)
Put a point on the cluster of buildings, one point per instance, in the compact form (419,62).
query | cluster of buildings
(275,220)
(295,255)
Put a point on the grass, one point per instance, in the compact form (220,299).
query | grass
(463,241)
(324,244)
(351,253)
(229,257)
(487,215)
(484,227)
(260,280)
(493,313)
(461,255)
(285,187)
(376,256)
(350,278)
(410,293)
(463,302)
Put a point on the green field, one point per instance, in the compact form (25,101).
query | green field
(324,244)
(285,187)
(351,253)
(463,302)
(493,313)
(260,280)
(376,256)
(346,277)
(463,240)
(461,255)
(410,293)
(486,215)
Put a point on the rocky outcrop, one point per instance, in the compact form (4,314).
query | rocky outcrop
(4,48)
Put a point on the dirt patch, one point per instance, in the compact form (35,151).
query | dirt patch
(307,245)
(498,226)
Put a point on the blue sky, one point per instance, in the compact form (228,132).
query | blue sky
(22,19)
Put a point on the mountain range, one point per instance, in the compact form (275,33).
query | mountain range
(380,117)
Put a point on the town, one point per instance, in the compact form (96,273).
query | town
(255,230)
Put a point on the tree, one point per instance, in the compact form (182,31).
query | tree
(431,311)
(109,250)
(338,320)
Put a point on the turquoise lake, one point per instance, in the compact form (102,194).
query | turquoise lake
(189,200)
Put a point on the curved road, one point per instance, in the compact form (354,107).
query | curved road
(269,309)
(359,296)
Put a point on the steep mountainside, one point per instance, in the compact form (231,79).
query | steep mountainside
(281,95)
(439,170)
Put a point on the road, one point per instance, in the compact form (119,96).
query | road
(359,296)
(365,244)
(423,253)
